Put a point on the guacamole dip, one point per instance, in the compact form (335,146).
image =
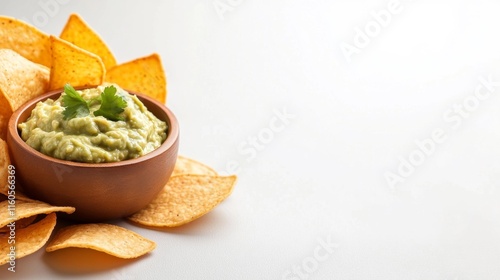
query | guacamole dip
(91,138)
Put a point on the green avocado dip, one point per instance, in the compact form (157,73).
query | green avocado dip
(101,132)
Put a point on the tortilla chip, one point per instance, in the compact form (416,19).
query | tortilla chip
(144,75)
(110,239)
(4,174)
(29,239)
(20,81)
(4,167)
(185,165)
(24,209)
(74,65)
(25,39)
(184,199)
(22,223)
(4,121)
(78,32)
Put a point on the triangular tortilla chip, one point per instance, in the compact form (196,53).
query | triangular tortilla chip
(78,32)
(74,65)
(144,75)
(25,39)
(20,80)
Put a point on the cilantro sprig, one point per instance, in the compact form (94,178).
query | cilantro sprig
(74,104)
(111,104)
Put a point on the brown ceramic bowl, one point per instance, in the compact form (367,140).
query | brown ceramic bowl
(98,191)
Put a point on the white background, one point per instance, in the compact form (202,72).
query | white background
(320,176)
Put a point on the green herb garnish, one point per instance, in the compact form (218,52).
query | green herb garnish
(74,104)
(111,104)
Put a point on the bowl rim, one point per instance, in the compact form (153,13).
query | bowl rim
(172,133)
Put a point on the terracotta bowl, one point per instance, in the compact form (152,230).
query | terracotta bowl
(98,191)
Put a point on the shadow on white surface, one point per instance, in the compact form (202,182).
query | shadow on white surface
(78,261)
(201,226)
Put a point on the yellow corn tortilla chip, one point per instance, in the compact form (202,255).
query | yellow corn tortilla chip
(144,75)
(185,165)
(24,209)
(74,65)
(28,240)
(78,32)
(4,120)
(22,223)
(25,39)
(184,199)
(20,81)
(113,240)
(4,167)
(4,174)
